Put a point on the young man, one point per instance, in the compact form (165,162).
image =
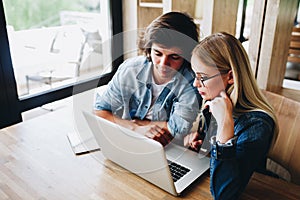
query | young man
(153,94)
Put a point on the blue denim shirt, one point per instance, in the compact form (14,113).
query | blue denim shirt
(232,166)
(129,96)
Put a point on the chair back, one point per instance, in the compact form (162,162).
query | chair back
(286,149)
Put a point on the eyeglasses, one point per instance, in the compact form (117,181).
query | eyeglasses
(205,78)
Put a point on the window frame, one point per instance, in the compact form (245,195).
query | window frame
(12,105)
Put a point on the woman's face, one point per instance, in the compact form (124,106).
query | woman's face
(166,61)
(209,81)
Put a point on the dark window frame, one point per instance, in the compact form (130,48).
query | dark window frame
(12,106)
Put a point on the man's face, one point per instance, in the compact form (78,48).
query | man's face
(167,61)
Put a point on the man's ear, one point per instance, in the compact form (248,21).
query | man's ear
(230,77)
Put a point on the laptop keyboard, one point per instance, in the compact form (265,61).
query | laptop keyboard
(177,170)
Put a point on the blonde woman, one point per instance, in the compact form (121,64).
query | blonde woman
(245,122)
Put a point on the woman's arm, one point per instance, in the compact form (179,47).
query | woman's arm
(233,165)
(221,108)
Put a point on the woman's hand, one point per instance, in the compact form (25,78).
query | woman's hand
(192,141)
(221,108)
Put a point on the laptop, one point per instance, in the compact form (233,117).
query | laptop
(172,168)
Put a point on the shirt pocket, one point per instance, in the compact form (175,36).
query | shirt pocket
(134,104)
(168,107)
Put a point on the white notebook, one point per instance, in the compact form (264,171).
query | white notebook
(82,145)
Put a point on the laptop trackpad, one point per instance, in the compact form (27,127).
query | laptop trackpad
(175,152)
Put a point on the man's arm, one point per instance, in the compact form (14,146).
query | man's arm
(113,118)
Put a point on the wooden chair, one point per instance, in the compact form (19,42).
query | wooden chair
(294,50)
(284,157)
(293,64)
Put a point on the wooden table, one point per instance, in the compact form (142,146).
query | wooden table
(37,162)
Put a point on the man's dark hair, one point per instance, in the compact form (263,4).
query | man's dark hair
(173,29)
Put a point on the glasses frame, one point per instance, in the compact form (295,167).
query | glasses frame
(203,79)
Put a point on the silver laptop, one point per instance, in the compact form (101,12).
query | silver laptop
(172,168)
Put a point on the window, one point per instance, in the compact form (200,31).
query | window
(56,42)
(53,46)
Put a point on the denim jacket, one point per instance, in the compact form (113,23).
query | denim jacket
(129,96)
(232,165)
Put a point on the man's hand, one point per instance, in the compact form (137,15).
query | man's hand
(155,130)
(156,133)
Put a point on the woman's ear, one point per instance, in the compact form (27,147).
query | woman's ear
(230,80)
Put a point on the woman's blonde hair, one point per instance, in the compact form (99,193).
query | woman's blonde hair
(225,52)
